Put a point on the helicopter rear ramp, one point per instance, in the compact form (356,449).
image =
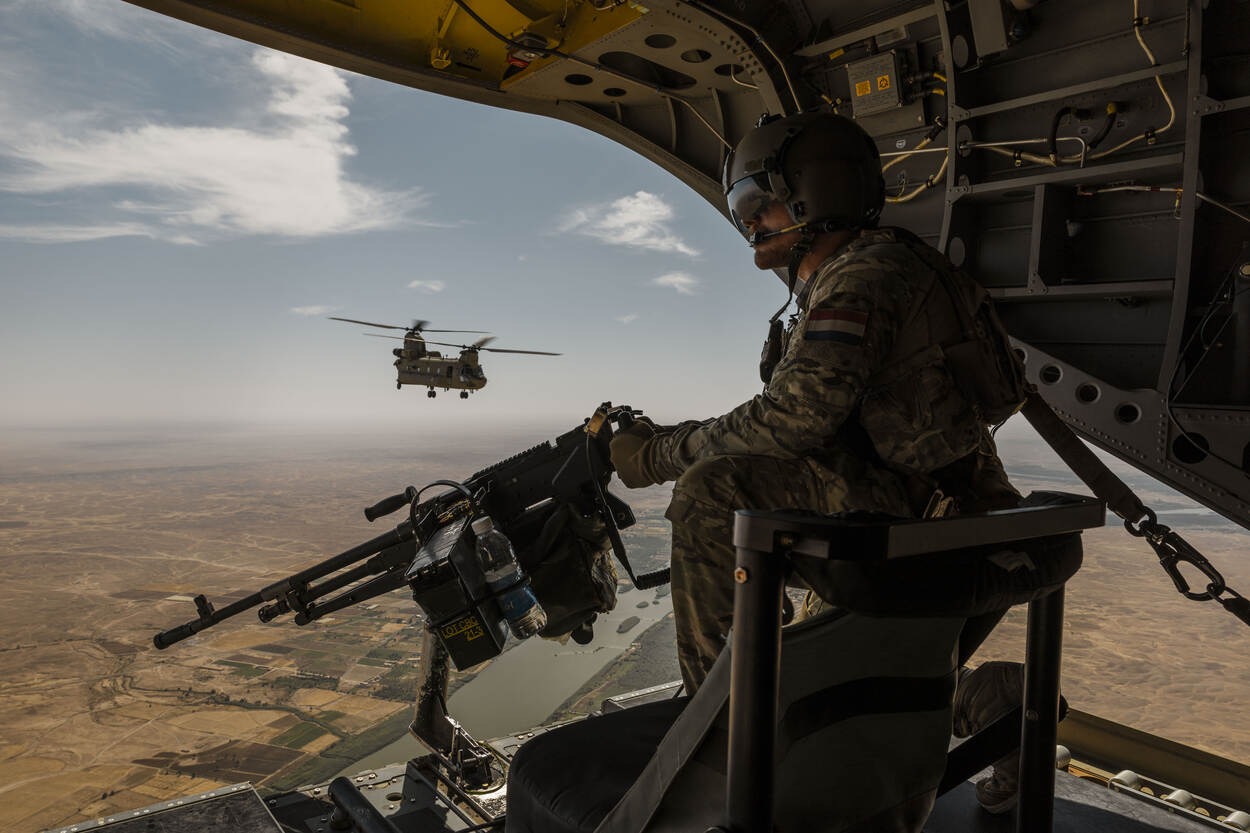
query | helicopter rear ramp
(233,809)
(1080,807)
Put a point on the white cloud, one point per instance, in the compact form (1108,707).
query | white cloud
(111,19)
(54,233)
(639,220)
(313,310)
(682,282)
(281,176)
(627,319)
(428,287)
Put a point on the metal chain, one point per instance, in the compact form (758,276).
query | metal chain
(1173,550)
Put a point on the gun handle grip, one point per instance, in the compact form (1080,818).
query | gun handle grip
(387,505)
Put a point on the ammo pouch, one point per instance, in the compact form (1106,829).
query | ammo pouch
(570,569)
(983,364)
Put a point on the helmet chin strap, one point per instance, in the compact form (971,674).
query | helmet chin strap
(798,251)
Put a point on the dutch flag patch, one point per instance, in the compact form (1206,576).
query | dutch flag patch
(842,325)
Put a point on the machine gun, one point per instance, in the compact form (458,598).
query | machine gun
(432,551)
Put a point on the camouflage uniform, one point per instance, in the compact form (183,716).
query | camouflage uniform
(859,414)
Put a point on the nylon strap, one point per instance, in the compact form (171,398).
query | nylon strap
(1139,520)
(1100,479)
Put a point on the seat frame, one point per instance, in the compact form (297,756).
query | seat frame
(767,544)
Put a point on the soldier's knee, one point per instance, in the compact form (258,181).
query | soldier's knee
(708,480)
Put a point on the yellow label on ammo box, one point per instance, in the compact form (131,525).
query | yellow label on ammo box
(863,88)
(468,629)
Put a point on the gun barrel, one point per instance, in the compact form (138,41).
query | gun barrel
(398,535)
(166,638)
(277,590)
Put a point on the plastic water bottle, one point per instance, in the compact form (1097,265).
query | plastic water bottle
(525,615)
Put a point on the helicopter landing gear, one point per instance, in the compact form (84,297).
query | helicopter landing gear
(399,386)
(431,393)
(464,394)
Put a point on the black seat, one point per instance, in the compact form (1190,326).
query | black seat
(661,767)
(566,780)
(864,697)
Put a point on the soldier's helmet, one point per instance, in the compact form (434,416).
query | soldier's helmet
(824,168)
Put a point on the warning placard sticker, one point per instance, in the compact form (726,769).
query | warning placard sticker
(863,88)
(883,82)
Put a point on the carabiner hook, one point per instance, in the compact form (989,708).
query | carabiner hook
(1172,549)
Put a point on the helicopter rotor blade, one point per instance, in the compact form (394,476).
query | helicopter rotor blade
(475,347)
(419,326)
(423,330)
(487,349)
(367,323)
(482,342)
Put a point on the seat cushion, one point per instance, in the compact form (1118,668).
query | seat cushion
(566,780)
(969,582)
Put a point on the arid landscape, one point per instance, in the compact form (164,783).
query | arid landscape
(105,537)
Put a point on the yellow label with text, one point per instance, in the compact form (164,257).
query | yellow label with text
(863,88)
(883,82)
(469,627)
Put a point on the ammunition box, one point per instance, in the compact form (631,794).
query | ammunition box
(448,584)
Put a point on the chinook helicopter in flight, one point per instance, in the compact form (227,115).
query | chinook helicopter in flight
(416,365)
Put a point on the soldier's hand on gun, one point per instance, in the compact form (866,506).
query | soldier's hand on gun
(631,454)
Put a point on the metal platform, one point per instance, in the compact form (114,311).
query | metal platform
(1080,807)
(233,809)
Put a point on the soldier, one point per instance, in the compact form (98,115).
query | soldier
(860,409)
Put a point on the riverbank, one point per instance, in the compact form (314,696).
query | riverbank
(533,680)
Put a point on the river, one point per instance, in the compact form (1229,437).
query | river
(530,681)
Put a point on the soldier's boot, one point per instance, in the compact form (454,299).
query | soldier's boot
(984,695)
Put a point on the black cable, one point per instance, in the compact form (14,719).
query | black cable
(1054,127)
(1103,131)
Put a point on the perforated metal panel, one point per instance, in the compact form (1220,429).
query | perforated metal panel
(233,809)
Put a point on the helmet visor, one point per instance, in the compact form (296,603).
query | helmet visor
(747,198)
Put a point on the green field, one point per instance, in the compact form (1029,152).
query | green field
(334,758)
(386,653)
(242,668)
(299,735)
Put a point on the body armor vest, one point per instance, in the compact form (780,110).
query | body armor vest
(951,370)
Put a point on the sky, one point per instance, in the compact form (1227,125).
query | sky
(180,211)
